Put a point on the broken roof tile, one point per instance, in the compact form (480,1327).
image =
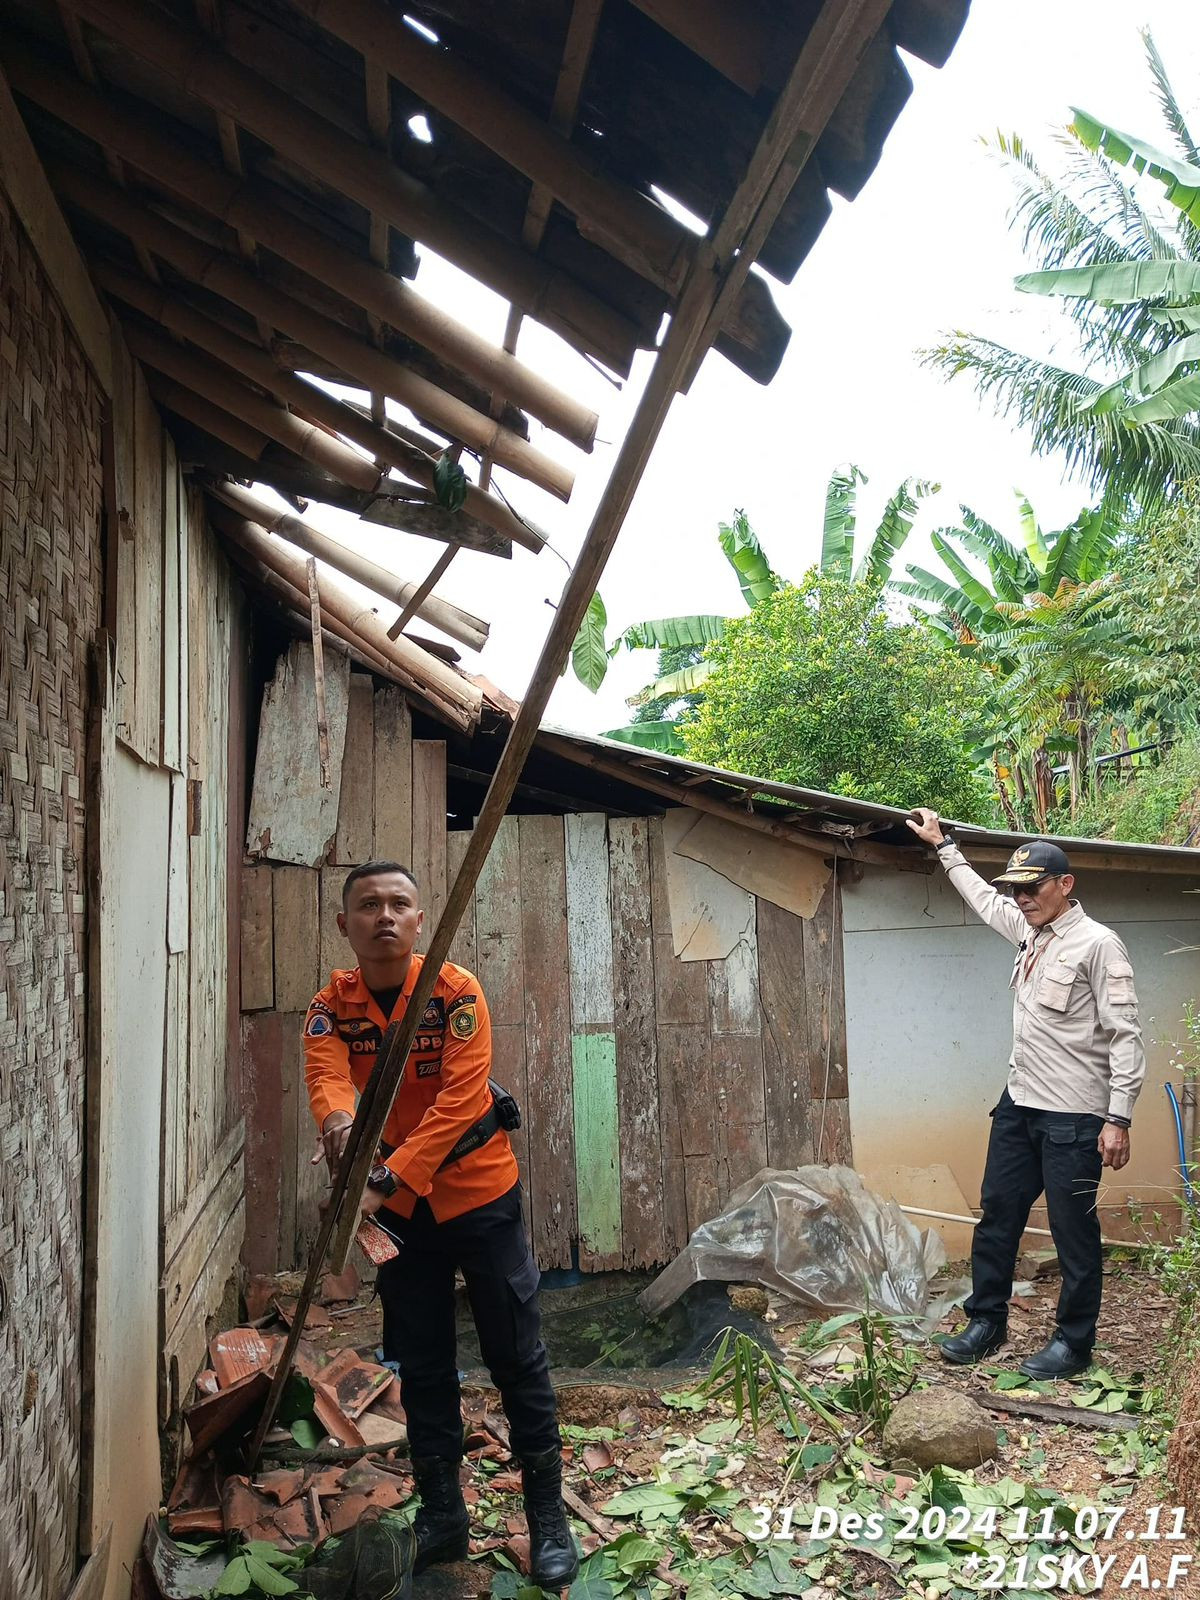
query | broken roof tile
(355,1382)
(237,1352)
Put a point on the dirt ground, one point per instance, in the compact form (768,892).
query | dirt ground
(1086,1466)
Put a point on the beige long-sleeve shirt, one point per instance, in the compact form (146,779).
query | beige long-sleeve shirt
(1077,1041)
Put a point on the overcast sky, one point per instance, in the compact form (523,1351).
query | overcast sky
(924,249)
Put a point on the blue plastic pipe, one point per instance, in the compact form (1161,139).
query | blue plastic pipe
(1184,1164)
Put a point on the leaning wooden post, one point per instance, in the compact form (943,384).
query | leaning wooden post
(814,87)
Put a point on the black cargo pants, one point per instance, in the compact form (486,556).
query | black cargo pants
(1029,1152)
(488,1245)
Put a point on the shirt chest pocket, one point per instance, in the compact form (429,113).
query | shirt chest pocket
(1054,988)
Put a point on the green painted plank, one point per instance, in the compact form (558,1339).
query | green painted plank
(597,1142)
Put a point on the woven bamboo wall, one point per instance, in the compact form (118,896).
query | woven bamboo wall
(50,585)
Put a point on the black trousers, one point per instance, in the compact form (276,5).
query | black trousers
(1030,1152)
(489,1246)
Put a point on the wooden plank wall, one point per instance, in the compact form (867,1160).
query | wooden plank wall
(651,1087)
(203,1209)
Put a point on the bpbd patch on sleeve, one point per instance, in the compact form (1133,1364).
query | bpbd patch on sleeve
(319,1024)
(462,1016)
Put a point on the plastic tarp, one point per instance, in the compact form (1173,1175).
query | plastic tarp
(818,1235)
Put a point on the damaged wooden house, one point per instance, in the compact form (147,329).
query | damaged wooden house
(212,214)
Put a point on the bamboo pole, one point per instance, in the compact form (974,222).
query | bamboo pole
(468,630)
(455,695)
(815,83)
(214,270)
(629,225)
(252,362)
(297,605)
(219,385)
(197,68)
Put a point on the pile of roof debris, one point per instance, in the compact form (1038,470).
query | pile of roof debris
(335,1460)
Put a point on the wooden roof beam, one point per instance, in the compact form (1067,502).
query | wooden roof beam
(213,269)
(257,365)
(577,53)
(631,227)
(138,139)
(187,59)
(628,224)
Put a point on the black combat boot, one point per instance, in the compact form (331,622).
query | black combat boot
(442,1523)
(980,1337)
(553,1559)
(1058,1360)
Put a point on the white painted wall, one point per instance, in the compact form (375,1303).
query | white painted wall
(929,1022)
(134,812)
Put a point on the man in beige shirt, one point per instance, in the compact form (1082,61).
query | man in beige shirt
(1076,1067)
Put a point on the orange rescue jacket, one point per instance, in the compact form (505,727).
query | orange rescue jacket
(444,1090)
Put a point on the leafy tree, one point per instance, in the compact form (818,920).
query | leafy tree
(678,683)
(1132,275)
(816,687)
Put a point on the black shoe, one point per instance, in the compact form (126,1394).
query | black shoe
(442,1525)
(553,1558)
(979,1338)
(1058,1360)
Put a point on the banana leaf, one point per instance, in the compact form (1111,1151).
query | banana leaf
(1013,574)
(894,528)
(1035,545)
(670,633)
(686,681)
(837,540)
(1146,381)
(748,559)
(1118,283)
(967,581)
(1180,179)
(661,736)
(588,655)
(1184,319)
(1176,400)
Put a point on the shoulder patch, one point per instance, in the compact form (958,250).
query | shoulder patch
(463,1020)
(319,1023)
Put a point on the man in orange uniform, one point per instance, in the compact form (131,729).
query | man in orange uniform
(448,1191)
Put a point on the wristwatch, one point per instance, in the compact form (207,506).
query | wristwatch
(384,1180)
(945,844)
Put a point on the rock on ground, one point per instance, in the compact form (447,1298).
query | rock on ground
(939,1427)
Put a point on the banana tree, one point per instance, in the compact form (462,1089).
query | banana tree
(1041,623)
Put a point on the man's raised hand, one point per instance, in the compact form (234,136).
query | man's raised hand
(924,823)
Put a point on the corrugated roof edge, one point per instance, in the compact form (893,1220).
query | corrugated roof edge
(851,810)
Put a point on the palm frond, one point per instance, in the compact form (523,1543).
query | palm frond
(1143,462)
(1168,100)
(1058,231)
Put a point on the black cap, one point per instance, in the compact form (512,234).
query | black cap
(1030,863)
